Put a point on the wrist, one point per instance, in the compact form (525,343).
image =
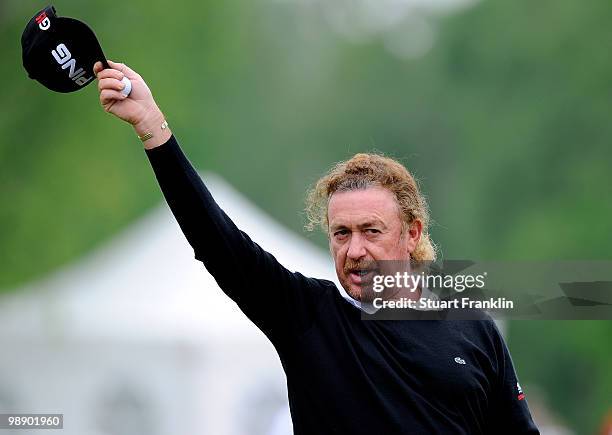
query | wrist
(153,130)
(149,120)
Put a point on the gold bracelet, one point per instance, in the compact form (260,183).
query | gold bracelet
(149,135)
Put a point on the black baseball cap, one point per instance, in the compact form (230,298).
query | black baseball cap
(60,52)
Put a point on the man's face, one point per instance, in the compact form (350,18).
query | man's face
(364,227)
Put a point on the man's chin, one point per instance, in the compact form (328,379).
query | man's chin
(359,294)
(355,294)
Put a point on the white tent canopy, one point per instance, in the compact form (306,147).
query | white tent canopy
(137,337)
(146,282)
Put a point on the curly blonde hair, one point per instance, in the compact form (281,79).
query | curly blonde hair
(368,170)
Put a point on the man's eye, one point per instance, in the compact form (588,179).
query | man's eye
(341,233)
(372,231)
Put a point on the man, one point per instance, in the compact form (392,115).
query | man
(344,375)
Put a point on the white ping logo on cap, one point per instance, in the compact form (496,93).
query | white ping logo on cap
(64,58)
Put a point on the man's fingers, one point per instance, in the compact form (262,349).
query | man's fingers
(110,73)
(110,83)
(108,96)
(129,73)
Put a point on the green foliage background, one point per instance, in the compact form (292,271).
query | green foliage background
(505,122)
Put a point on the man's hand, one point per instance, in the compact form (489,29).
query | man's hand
(139,109)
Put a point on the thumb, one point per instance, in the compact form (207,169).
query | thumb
(97,68)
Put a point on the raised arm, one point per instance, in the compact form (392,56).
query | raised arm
(281,303)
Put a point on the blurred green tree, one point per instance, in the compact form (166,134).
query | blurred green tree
(504,121)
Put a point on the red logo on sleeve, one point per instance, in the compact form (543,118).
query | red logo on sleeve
(521,395)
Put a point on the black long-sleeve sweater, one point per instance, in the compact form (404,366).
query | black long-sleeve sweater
(346,375)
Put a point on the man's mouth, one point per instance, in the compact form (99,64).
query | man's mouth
(359,276)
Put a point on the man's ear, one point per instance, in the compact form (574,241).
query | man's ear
(413,234)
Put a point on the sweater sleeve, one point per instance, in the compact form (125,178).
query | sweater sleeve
(280,302)
(510,413)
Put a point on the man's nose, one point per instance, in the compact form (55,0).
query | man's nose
(356,249)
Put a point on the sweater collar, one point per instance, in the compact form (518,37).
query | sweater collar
(369,309)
